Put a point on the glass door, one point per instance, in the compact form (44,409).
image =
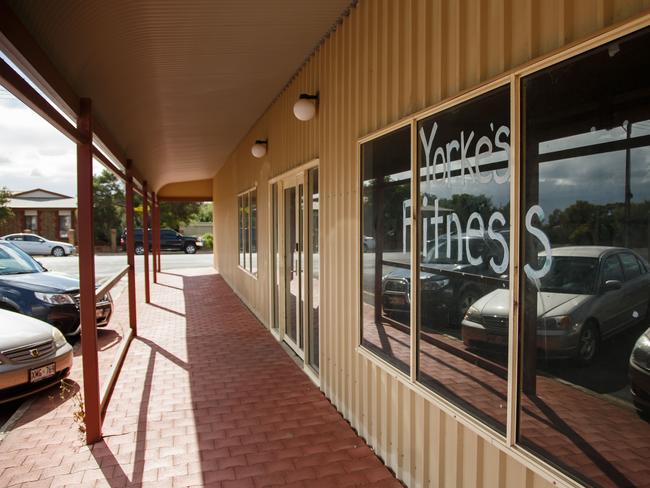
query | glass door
(293,260)
(296,305)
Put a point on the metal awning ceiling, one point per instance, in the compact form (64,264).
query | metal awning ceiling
(177,83)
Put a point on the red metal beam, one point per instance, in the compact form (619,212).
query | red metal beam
(159,262)
(22,90)
(87,305)
(155,235)
(145,240)
(130,248)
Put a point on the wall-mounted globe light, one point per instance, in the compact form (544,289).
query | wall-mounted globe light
(305,107)
(259,148)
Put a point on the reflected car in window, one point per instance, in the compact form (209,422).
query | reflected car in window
(36,245)
(640,372)
(33,356)
(590,293)
(448,285)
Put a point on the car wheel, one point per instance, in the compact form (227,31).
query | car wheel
(58,252)
(190,249)
(587,344)
(139,249)
(467,299)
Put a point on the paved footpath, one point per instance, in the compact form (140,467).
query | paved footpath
(207,397)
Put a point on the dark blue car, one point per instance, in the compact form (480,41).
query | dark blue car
(27,287)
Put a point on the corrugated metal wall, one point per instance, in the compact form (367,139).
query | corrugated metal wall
(388,59)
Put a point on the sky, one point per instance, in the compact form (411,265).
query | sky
(33,154)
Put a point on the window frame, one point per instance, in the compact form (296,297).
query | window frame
(243,203)
(514,78)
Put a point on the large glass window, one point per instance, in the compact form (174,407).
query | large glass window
(247,230)
(314,310)
(386,257)
(585,350)
(463,156)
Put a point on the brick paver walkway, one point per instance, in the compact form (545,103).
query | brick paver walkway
(207,397)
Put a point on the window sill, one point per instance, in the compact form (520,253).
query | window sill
(252,275)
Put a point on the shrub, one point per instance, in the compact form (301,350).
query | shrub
(208,241)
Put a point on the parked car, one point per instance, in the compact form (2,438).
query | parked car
(33,355)
(170,240)
(640,372)
(589,294)
(448,286)
(36,245)
(27,287)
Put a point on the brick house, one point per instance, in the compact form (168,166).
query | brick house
(42,212)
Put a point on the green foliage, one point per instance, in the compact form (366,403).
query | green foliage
(205,213)
(108,207)
(208,241)
(5,212)
(174,214)
(585,223)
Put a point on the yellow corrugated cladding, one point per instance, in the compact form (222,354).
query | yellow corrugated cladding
(388,59)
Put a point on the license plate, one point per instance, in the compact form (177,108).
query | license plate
(397,300)
(38,374)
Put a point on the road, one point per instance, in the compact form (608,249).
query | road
(106,265)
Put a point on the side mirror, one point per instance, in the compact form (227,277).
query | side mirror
(612,285)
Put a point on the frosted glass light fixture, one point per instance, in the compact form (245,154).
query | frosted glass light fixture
(259,148)
(305,107)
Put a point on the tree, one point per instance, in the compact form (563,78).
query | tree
(5,212)
(173,214)
(108,205)
(205,213)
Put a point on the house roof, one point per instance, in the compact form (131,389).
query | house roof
(59,203)
(38,194)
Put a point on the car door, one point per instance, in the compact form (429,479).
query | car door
(19,242)
(41,246)
(610,309)
(31,245)
(635,287)
(167,239)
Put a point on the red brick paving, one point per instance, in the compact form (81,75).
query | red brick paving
(206,397)
(600,440)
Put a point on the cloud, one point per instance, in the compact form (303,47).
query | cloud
(34,154)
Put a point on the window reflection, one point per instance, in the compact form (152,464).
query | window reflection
(463,155)
(586,286)
(386,256)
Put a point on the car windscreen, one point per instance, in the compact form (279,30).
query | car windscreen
(477,247)
(570,274)
(15,261)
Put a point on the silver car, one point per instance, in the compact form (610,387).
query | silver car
(33,355)
(590,293)
(34,245)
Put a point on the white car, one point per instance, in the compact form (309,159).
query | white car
(34,244)
(590,293)
(33,355)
